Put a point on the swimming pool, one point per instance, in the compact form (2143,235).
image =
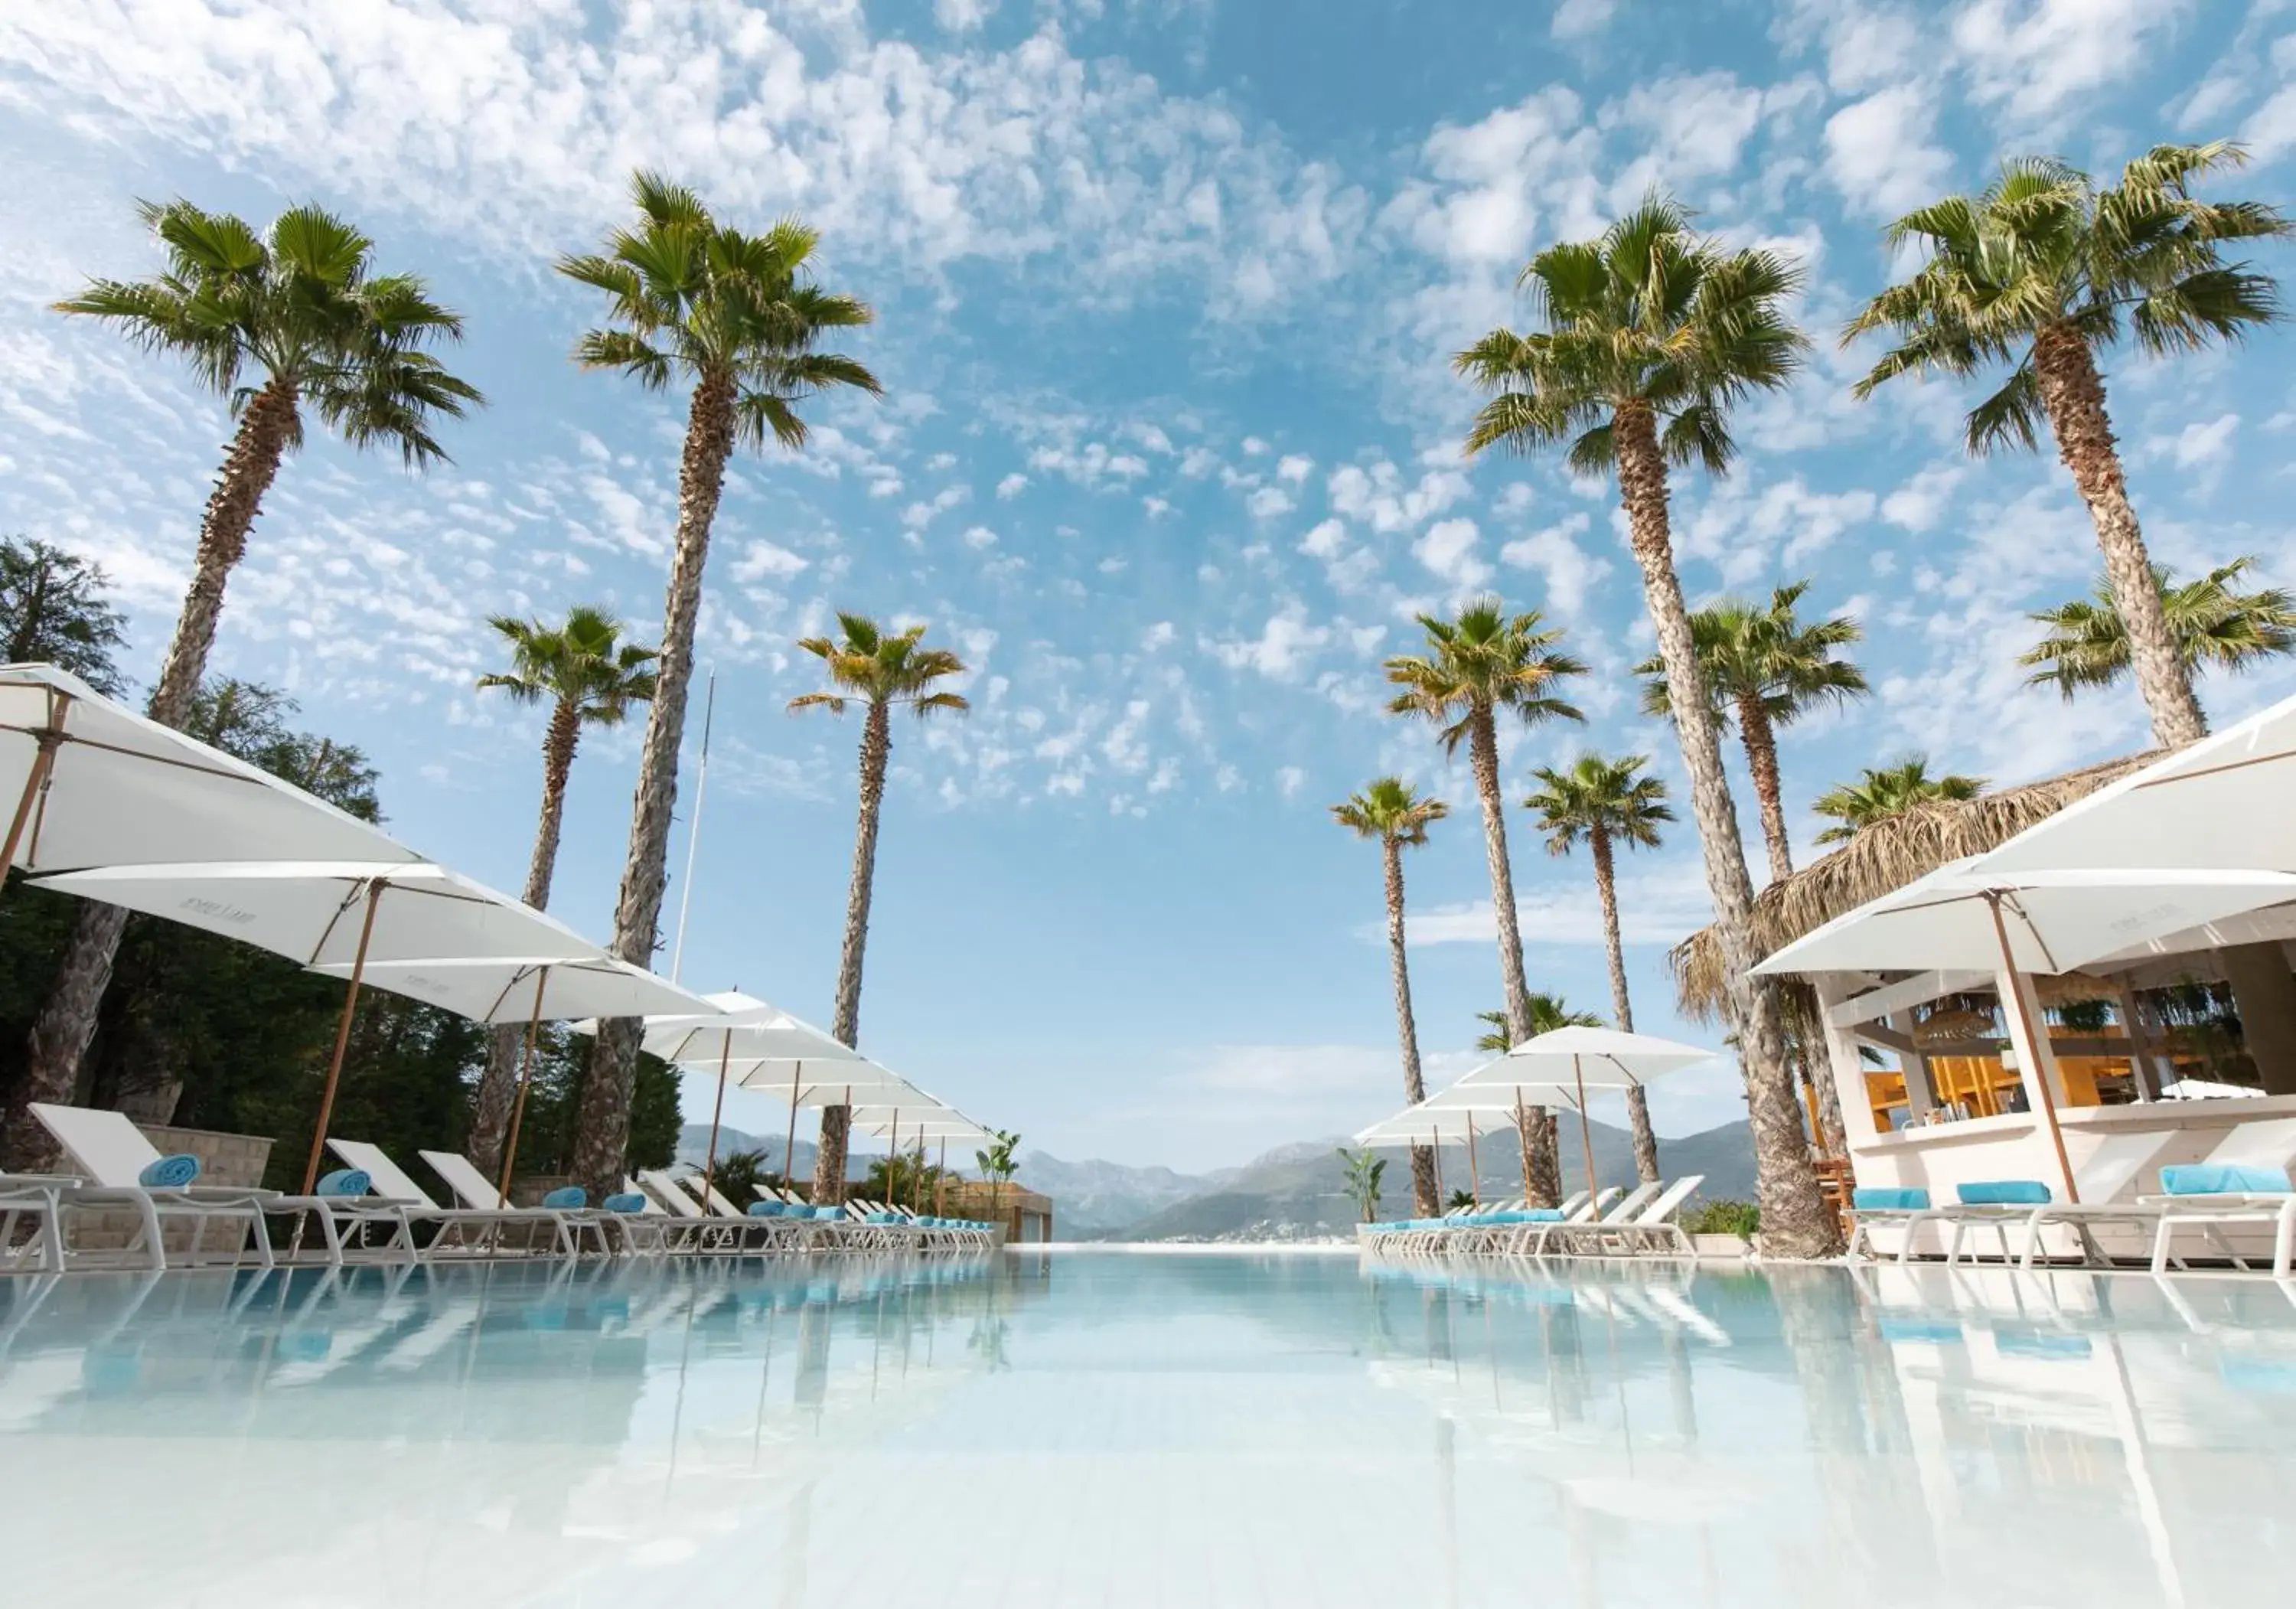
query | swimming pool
(1119,1429)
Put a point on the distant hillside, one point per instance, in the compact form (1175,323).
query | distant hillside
(693,1147)
(1092,1197)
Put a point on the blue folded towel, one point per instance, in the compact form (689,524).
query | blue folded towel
(169,1173)
(344,1181)
(625,1201)
(569,1198)
(2004,1193)
(2223,1178)
(882,1219)
(765,1209)
(1889,1198)
(1542,1215)
(826,1214)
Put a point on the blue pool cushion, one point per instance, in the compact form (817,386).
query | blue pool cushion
(169,1173)
(625,1201)
(567,1198)
(344,1182)
(2004,1193)
(2224,1179)
(880,1219)
(1541,1215)
(1889,1198)
(765,1209)
(828,1214)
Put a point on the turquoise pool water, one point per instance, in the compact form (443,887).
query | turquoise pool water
(1114,1429)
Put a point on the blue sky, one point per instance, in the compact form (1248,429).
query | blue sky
(1169,452)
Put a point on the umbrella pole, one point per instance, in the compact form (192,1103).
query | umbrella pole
(1474,1168)
(1435,1143)
(717,1115)
(789,1141)
(50,738)
(342,1035)
(1586,1134)
(525,1082)
(940,1181)
(2023,1027)
(1519,1116)
(892,1150)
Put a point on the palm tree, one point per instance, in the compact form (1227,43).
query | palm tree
(1391,811)
(2043,271)
(1476,665)
(2215,625)
(1601,803)
(590,678)
(1547,1013)
(738,316)
(279,324)
(1768,668)
(1650,334)
(883,671)
(1887,791)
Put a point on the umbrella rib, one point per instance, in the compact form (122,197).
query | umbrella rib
(351,898)
(2026,916)
(147,757)
(2236,765)
(516,979)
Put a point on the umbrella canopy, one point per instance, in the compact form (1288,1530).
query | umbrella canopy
(1596,1058)
(1425,1125)
(85,781)
(316,912)
(2219,803)
(734,1027)
(1490,1095)
(2054,921)
(527,987)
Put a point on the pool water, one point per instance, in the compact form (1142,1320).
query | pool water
(1117,1429)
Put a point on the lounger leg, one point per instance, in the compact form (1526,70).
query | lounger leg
(53,1234)
(2160,1244)
(2283,1239)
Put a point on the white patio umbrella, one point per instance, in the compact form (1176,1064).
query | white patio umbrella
(935,1120)
(335,912)
(531,989)
(1589,1058)
(1513,1099)
(804,1080)
(1422,1125)
(86,781)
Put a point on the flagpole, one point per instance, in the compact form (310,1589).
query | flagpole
(693,833)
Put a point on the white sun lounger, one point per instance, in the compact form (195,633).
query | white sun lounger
(473,1190)
(460,1231)
(727,1232)
(1648,1227)
(34,1199)
(113,1153)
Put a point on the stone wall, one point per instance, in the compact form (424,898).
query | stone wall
(224,1159)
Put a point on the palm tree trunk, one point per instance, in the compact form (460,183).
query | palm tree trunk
(1622,1009)
(490,1107)
(2073,394)
(837,1121)
(67,1019)
(1761,743)
(601,1128)
(1414,1090)
(1540,1165)
(1795,1220)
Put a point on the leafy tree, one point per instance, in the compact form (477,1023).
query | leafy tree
(1391,811)
(1482,661)
(999,1163)
(901,1180)
(737,317)
(2214,625)
(2044,270)
(1768,668)
(589,677)
(1459,1199)
(1603,803)
(53,609)
(1547,1013)
(276,323)
(883,671)
(740,1174)
(1881,792)
(1650,335)
(1365,1170)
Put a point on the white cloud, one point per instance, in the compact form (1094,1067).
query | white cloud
(1161,635)
(1447,551)
(1377,497)
(1012,485)
(2199,445)
(1086,466)
(963,16)
(2033,57)
(1918,503)
(918,515)
(1253,446)
(1268,502)
(1582,19)
(1290,780)
(1568,569)
(761,560)
(1282,648)
(1879,155)
(1325,541)
(1295,467)
(978,537)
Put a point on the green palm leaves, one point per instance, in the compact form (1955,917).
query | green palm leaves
(1391,811)
(1482,662)
(299,306)
(2214,625)
(1765,654)
(583,663)
(877,667)
(1607,799)
(690,296)
(1881,792)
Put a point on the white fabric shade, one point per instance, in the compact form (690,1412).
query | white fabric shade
(2056,921)
(1599,1058)
(120,788)
(1494,1096)
(522,988)
(738,1028)
(830,1084)
(1422,1125)
(314,911)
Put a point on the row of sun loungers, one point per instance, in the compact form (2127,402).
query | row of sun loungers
(1613,1223)
(2243,1183)
(370,1210)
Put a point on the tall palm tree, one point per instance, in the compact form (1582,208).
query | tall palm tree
(1391,811)
(1603,803)
(590,678)
(1481,662)
(1650,333)
(884,671)
(281,323)
(737,316)
(2214,625)
(2043,271)
(1882,791)
(1767,667)
(1547,1013)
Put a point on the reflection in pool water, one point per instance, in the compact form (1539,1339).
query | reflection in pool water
(1123,1428)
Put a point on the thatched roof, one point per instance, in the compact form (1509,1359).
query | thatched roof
(1879,859)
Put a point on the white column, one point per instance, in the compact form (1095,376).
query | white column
(1842,1061)
(2028,1034)
(1920,1095)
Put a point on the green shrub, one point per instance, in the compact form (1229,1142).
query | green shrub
(1722,1218)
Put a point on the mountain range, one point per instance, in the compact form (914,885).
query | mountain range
(1294,1192)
